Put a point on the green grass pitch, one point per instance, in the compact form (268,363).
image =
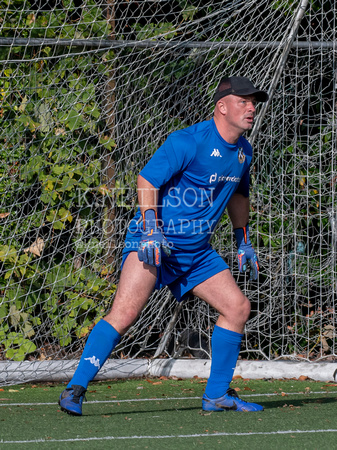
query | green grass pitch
(166,412)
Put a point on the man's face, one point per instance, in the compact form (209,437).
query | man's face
(240,111)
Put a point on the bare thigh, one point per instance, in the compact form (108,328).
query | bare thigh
(135,286)
(222,293)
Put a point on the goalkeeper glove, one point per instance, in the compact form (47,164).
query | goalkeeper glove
(153,240)
(246,253)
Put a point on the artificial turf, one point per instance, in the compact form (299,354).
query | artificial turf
(150,413)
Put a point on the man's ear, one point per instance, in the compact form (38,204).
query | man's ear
(221,105)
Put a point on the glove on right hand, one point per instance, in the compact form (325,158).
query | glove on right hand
(153,240)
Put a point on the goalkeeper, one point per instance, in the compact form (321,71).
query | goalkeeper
(183,191)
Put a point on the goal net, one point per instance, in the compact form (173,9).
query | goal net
(89,89)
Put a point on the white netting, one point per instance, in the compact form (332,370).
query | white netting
(89,90)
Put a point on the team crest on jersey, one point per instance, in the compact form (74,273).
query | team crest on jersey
(241,155)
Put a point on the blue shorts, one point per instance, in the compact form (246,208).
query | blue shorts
(183,269)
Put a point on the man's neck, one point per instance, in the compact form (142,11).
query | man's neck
(229,134)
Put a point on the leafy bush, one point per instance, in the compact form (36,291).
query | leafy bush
(54,278)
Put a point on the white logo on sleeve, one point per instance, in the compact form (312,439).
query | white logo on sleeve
(93,360)
(216,153)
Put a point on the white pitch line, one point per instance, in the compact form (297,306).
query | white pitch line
(170,436)
(92,402)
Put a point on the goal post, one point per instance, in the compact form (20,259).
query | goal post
(89,90)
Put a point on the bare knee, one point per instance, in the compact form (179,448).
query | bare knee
(245,309)
(240,310)
(235,314)
(122,318)
(134,288)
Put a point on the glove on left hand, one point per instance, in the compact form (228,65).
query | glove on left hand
(246,253)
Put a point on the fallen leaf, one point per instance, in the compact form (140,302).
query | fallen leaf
(237,377)
(42,356)
(36,248)
(4,215)
(303,378)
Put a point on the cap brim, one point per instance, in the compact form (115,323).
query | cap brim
(261,96)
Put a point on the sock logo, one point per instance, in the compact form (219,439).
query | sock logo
(93,360)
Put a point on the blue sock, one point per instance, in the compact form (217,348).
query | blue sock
(225,352)
(101,341)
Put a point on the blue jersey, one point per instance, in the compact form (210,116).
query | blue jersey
(196,172)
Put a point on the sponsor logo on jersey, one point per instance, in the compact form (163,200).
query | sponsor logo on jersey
(241,155)
(213,178)
(216,153)
(93,360)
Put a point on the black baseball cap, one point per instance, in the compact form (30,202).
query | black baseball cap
(238,86)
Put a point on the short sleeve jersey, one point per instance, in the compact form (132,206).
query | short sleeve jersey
(196,172)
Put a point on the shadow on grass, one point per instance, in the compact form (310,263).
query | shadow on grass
(303,401)
(270,404)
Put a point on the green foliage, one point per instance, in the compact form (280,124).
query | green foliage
(54,279)
(69,300)
(53,137)
(55,133)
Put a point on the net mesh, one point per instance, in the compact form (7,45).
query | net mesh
(89,90)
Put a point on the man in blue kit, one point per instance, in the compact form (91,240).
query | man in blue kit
(183,191)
